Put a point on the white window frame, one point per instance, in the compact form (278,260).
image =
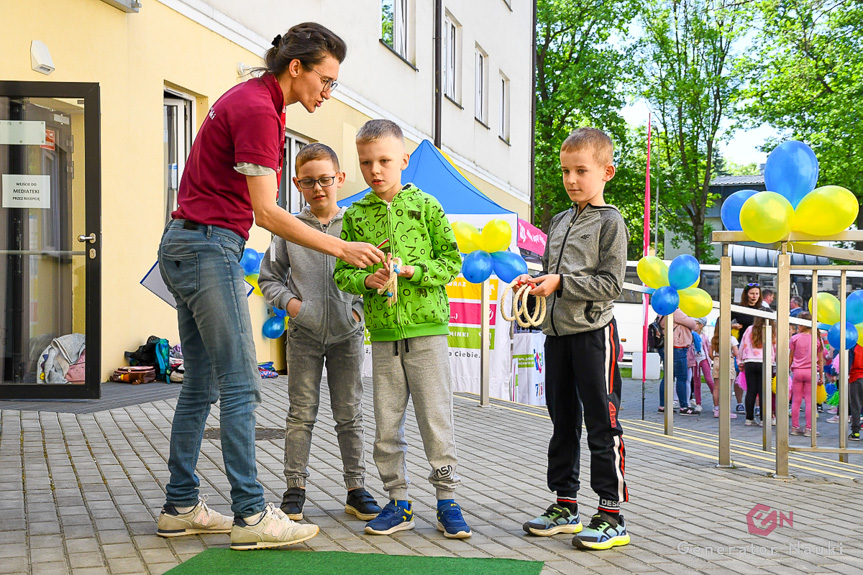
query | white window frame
(290,198)
(503,130)
(451,49)
(481,85)
(402,37)
(181,131)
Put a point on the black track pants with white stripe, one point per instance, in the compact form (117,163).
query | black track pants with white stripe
(582,370)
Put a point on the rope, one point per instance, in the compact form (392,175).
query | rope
(391,288)
(520,313)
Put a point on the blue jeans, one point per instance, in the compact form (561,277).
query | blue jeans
(681,376)
(201,268)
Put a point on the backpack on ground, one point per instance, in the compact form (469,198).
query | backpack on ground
(156,353)
(655,337)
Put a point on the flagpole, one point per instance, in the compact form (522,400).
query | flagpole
(646,243)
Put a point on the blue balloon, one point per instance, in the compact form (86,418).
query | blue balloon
(665,300)
(791,171)
(251,261)
(850,335)
(477,266)
(854,307)
(683,271)
(730,212)
(279,312)
(274,327)
(508,265)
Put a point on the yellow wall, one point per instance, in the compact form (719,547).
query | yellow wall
(134,57)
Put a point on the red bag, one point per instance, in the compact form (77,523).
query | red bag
(134,374)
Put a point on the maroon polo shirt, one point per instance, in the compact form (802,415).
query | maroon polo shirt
(247,124)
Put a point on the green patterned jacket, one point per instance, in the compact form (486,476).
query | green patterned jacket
(420,234)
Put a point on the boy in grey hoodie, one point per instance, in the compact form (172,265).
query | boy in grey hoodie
(325,326)
(585,262)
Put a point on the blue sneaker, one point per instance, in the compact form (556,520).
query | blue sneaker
(556,519)
(451,522)
(392,518)
(604,532)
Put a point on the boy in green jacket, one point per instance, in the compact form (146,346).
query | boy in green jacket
(409,339)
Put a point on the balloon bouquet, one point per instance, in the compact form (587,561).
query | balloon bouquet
(274,327)
(675,285)
(829,315)
(791,203)
(487,252)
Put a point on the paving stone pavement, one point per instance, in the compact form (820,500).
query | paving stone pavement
(81,492)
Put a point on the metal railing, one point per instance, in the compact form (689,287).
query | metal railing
(783,295)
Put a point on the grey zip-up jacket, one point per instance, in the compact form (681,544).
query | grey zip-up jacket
(291,271)
(588,250)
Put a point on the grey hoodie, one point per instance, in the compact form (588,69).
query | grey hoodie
(291,271)
(588,250)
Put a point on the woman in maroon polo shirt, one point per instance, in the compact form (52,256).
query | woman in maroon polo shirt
(231,179)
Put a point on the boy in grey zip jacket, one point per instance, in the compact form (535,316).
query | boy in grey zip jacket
(585,262)
(325,326)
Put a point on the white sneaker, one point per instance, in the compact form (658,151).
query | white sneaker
(273,529)
(692,404)
(676,404)
(201,519)
(698,409)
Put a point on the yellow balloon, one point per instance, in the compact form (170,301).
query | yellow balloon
(496,236)
(652,271)
(695,302)
(766,217)
(467,236)
(828,308)
(698,281)
(859,327)
(825,211)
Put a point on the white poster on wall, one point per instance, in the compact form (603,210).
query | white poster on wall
(528,350)
(25,191)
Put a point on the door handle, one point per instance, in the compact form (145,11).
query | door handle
(91,238)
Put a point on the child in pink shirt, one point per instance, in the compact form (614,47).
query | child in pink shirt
(800,359)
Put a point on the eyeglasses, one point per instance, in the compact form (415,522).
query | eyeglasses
(329,85)
(309,183)
(754,284)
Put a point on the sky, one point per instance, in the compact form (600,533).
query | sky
(741,149)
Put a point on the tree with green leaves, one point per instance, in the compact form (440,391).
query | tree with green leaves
(805,78)
(581,66)
(688,76)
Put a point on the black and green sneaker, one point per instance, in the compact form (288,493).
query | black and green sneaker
(604,532)
(556,519)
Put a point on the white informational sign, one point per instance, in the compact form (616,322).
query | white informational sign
(22,133)
(24,191)
(528,353)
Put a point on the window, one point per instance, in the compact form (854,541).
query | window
(481,89)
(394,26)
(450,57)
(290,198)
(177,122)
(504,108)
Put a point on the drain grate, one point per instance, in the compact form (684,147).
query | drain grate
(261,433)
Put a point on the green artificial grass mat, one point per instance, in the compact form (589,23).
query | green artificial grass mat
(272,561)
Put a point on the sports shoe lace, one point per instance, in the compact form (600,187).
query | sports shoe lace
(553,512)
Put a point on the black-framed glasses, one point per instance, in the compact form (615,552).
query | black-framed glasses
(309,183)
(329,85)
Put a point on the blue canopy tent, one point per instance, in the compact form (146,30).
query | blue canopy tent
(435,175)
(474,344)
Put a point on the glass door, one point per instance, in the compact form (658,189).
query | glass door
(50,240)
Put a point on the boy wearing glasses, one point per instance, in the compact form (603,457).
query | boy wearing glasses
(325,327)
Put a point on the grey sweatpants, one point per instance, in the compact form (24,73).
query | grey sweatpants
(416,368)
(344,363)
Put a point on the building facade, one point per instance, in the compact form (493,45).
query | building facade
(155,68)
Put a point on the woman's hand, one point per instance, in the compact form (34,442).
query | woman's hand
(361,254)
